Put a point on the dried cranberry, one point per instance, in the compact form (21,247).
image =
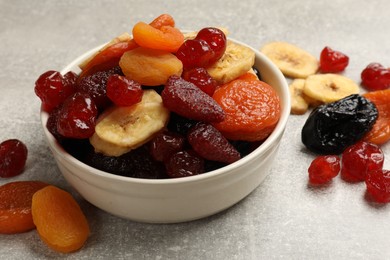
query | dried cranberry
(70,79)
(202,79)
(333,61)
(13,157)
(123,91)
(323,169)
(209,143)
(77,116)
(186,99)
(195,53)
(51,123)
(359,159)
(165,144)
(378,185)
(183,164)
(52,88)
(375,77)
(216,39)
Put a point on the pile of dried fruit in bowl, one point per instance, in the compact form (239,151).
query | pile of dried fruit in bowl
(345,128)
(195,98)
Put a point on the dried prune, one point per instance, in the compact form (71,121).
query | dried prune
(330,128)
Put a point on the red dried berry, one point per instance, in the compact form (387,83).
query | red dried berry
(13,157)
(165,144)
(77,117)
(378,185)
(323,169)
(359,159)
(333,61)
(123,91)
(195,53)
(216,39)
(186,99)
(375,77)
(202,79)
(183,164)
(209,143)
(52,88)
(51,123)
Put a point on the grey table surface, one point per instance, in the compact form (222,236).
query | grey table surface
(283,218)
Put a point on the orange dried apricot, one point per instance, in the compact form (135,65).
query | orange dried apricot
(15,206)
(380,133)
(166,38)
(59,220)
(163,20)
(252,109)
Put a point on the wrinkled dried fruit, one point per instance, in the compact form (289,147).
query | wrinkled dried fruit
(378,185)
(15,206)
(375,77)
(165,144)
(332,60)
(323,169)
(123,91)
(183,164)
(202,79)
(59,220)
(186,99)
(209,143)
(13,157)
(359,159)
(332,127)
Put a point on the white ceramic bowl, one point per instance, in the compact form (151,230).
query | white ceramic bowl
(180,199)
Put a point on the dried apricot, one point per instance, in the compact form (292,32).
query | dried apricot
(15,206)
(252,109)
(59,220)
(380,133)
(166,38)
(150,67)
(163,20)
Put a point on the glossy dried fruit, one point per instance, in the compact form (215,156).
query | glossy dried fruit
(202,79)
(332,61)
(60,222)
(252,109)
(359,159)
(15,206)
(209,143)
(13,157)
(378,185)
(216,39)
(184,164)
(380,132)
(164,144)
(186,99)
(375,77)
(123,91)
(323,169)
(332,127)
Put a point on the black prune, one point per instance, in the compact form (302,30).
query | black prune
(332,127)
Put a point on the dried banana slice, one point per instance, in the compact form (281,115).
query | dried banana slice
(329,87)
(291,60)
(299,105)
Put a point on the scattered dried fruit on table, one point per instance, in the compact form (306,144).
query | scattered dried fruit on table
(380,132)
(323,169)
(299,105)
(60,222)
(332,127)
(13,157)
(378,185)
(332,61)
(359,159)
(327,88)
(252,109)
(15,206)
(375,77)
(293,61)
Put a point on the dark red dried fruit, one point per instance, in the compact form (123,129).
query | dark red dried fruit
(332,61)
(183,164)
(52,88)
(186,99)
(209,143)
(202,79)
(13,157)
(51,123)
(216,39)
(375,77)
(323,169)
(77,117)
(195,53)
(165,144)
(378,185)
(359,159)
(123,91)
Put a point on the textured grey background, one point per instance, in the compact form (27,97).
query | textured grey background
(283,218)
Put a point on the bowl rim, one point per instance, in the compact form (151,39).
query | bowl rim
(262,148)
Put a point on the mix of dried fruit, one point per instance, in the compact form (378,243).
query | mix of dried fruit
(163,102)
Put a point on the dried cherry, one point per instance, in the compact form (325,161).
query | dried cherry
(375,77)
(323,169)
(164,144)
(202,79)
(378,185)
(332,60)
(13,157)
(330,128)
(123,91)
